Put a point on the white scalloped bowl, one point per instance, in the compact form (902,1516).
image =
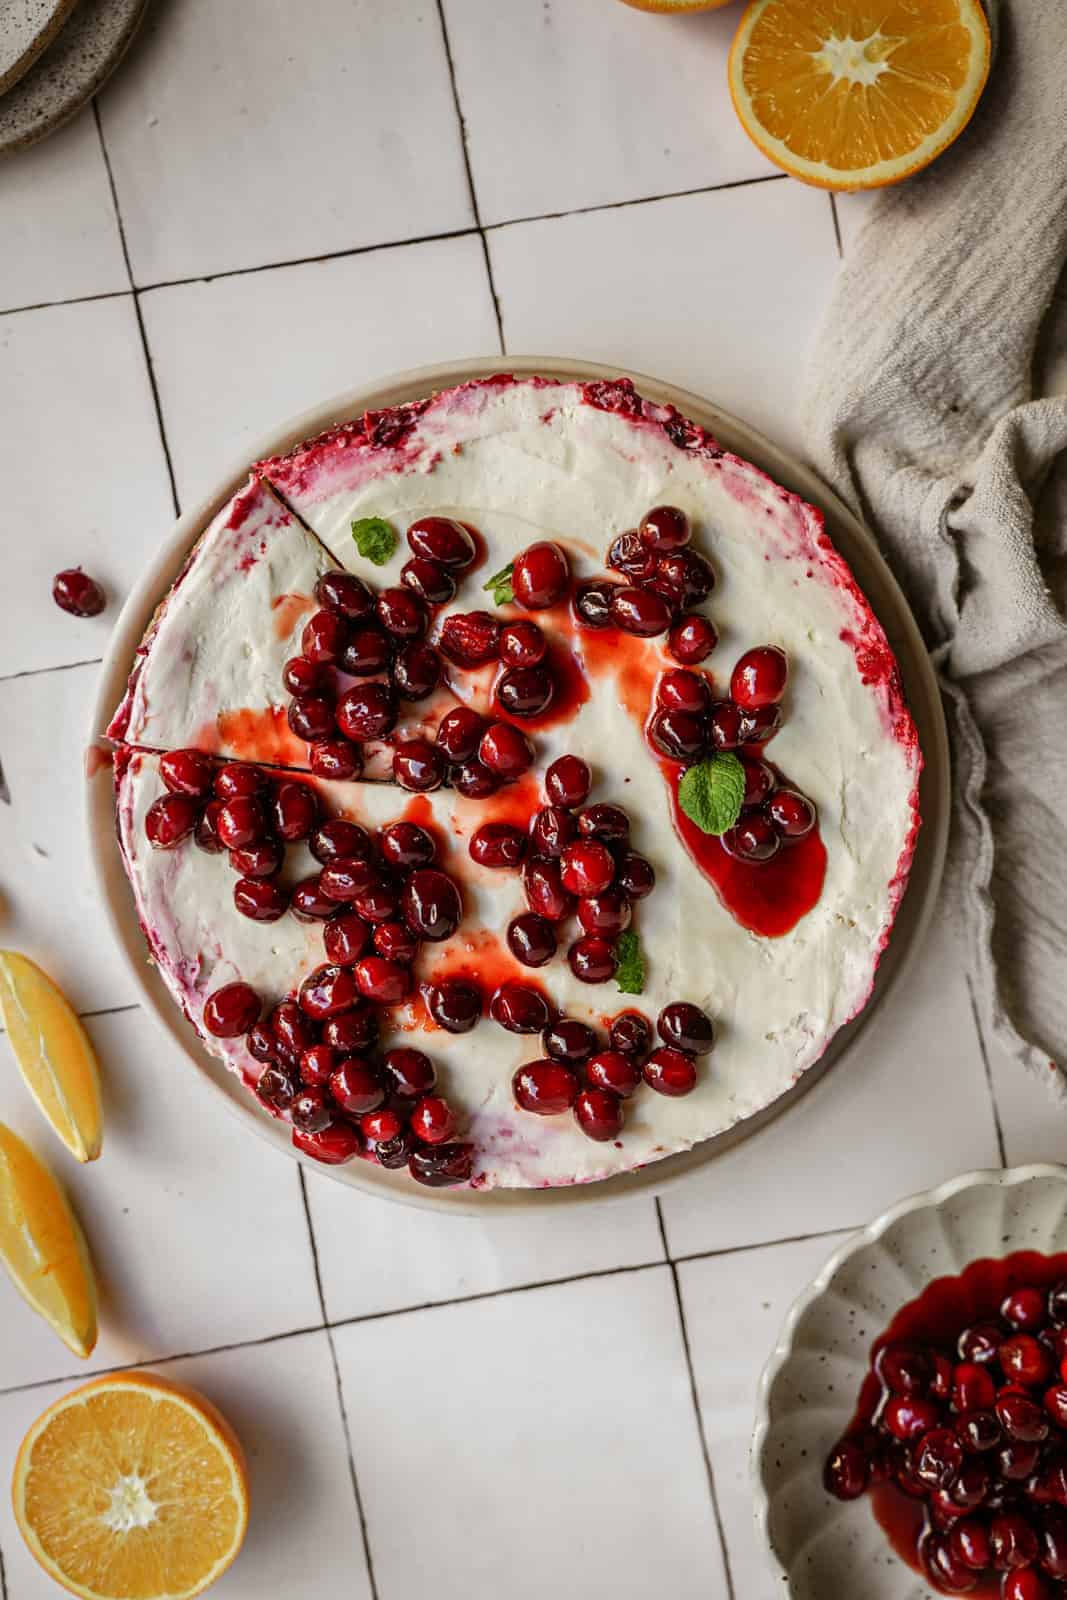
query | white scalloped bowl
(821,1548)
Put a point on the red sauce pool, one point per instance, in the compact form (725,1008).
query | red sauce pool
(288,609)
(254,736)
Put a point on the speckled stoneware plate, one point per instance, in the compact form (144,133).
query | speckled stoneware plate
(26,28)
(81,58)
(873,576)
(820,1547)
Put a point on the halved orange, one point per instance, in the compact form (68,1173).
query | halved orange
(132,1488)
(53,1053)
(853,94)
(43,1247)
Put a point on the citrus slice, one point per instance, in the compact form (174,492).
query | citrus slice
(849,95)
(132,1488)
(674,6)
(53,1053)
(43,1247)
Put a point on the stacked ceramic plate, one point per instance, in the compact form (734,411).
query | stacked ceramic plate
(54,56)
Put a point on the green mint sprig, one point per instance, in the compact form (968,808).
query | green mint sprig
(630,974)
(499,586)
(375,539)
(712,793)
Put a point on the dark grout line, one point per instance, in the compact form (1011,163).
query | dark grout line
(3,1578)
(768,1244)
(697,1413)
(639,200)
(72,300)
(837,226)
(988,1072)
(39,672)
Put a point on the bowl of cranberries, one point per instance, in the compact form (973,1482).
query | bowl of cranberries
(911,1436)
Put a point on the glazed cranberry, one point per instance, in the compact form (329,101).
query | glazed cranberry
(751,839)
(631,1034)
(416,671)
(692,639)
(231,1010)
(498,844)
(759,783)
(670,1071)
(630,556)
(410,1073)
(679,690)
(367,711)
(431,904)
(1052,1535)
(207,828)
(293,1028)
(612,1070)
(683,578)
(187,772)
(973,1388)
(294,810)
(368,651)
(586,867)
(419,766)
(401,613)
(791,813)
(1026,1584)
(903,1369)
(394,1153)
(316,1064)
(454,1005)
(969,1543)
(171,818)
(939,1458)
(260,899)
(311,717)
(340,881)
(531,939)
(552,830)
(598,1114)
(346,936)
(686,1027)
(1021,1418)
(440,1166)
(378,901)
(326,991)
(336,759)
(241,822)
(384,982)
(344,593)
(429,580)
(443,540)
(459,733)
(568,781)
(236,778)
(569,1041)
(942,1567)
(847,1472)
(759,726)
(76,593)
(332,1145)
(337,840)
(941,1378)
(970,1485)
(351,1032)
(724,725)
(678,734)
(980,1343)
(276,1087)
(302,677)
(640,611)
(394,941)
(979,1431)
(1013,1541)
(1016,1461)
(474,780)
(505,751)
(906,1416)
(432,1120)
(608,913)
(545,1087)
(520,1009)
(1051,1488)
(405,845)
(592,604)
(381,1126)
(1055,1403)
(635,876)
(1025,1360)
(471,639)
(1025,1310)
(759,678)
(1057,1303)
(664,528)
(592,958)
(540,576)
(522,644)
(261,1043)
(543,887)
(609,824)
(324,637)
(525,691)
(310,1111)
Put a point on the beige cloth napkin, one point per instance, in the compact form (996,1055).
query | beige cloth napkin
(937,408)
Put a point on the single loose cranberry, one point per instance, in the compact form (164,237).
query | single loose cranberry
(545,1087)
(520,1009)
(293,1029)
(470,639)
(635,876)
(324,637)
(608,913)
(630,556)
(260,899)
(592,958)
(724,725)
(679,690)
(454,1005)
(640,611)
(338,1142)
(409,1072)
(969,1542)
(294,810)
(683,577)
(432,582)
(498,844)
(531,939)
(1022,1418)
(352,1032)
(1013,1541)
(686,1027)
(337,840)
(544,889)
(311,717)
(522,644)
(505,751)
(939,1458)
(1025,1310)
(1025,1360)
(384,982)
(459,733)
(432,1120)
(337,759)
(367,652)
(242,821)
(609,824)
(599,1114)
(419,766)
(474,780)
(344,593)
(525,691)
(170,819)
(404,845)
(368,711)
(261,1043)
(664,528)
(431,904)
(76,593)
(379,900)
(569,1041)
(302,677)
(442,1165)
(586,867)
(327,991)
(631,1033)
(231,1010)
(903,1368)
(540,576)
(791,813)
(340,881)
(907,1416)
(847,1471)
(979,1431)
(207,828)
(401,613)
(973,1388)
(681,735)
(416,671)
(346,936)
(316,1064)
(276,1087)
(187,772)
(692,639)
(568,782)
(759,783)
(236,778)
(592,604)
(552,830)
(670,1071)
(311,1111)
(980,1343)
(759,678)
(751,839)
(443,540)
(614,1071)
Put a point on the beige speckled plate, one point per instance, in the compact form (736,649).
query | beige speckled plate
(874,578)
(83,55)
(26,28)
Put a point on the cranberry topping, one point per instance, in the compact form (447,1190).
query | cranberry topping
(384,982)
(679,690)
(337,759)
(276,1087)
(979,1431)
(1057,1303)
(522,644)
(302,677)
(520,1009)
(540,576)
(1055,1403)
(231,1010)
(419,766)
(568,782)
(612,1070)
(454,1005)
(598,1114)
(759,678)
(443,540)
(440,1166)
(344,593)
(592,604)
(759,782)
(381,1126)
(632,1034)
(187,772)
(367,652)
(664,528)
(311,717)
(908,1416)
(903,1369)
(260,899)
(609,824)
(1025,1310)
(171,818)
(635,876)
(394,1153)
(474,780)
(497,844)
(525,691)
(1012,1540)
(235,778)
(346,936)
(683,578)
(670,1071)
(980,1343)
(324,637)
(939,1458)
(316,1064)
(973,1388)
(207,829)
(630,556)
(340,881)
(792,814)
(293,1028)
(431,904)
(328,990)
(261,1043)
(570,1041)
(692,639)
(404,845)
(333,1145)
(543,887)
(552,830)
(1025,1584)
(432,1120)
(470,639)
(459,733)
(351,1032)
(409,1072)
(592,958)
(531,939)
(760,725)
(505,751)
(310,1111)
(724,725)
(367,712)
(416,671)
(608,913)
(429,580)
(394,941)
(586,867)
(847,1472)
(1025,1360)
(338,840)
(379,900)
(401,613)
(545,1087)
(686,1027)
(752,839)
(76,593)
(294,810)
(1022,1418)
(681,735)
(640,611)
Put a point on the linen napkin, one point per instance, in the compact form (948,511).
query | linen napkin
(937,407)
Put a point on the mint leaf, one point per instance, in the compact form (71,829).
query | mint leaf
(375,539)
(630,975)
(712,793)
(499,586)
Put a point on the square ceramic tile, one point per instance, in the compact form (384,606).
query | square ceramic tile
(718,292)
(197,1229)
(374,1256)
(907,1107)
(246,133)
(61,238)
(49,905)
(237,356)
(610,104)
(82,468)
(281,1399)
(734,1308)
(854,211)
(537,1434)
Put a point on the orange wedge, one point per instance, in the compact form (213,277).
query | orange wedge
(674,6)
(53,1053)
(853,95)
(43,1247)
(132,1488)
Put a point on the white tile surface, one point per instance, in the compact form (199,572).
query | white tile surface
(246,133)
(61,238)
(83,473)
(198,1232)
(376,1257)
(718,292)
(1032,1119)
(281,1399)
(610,104)
(907,1108)
(237,356)
(562,1424)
